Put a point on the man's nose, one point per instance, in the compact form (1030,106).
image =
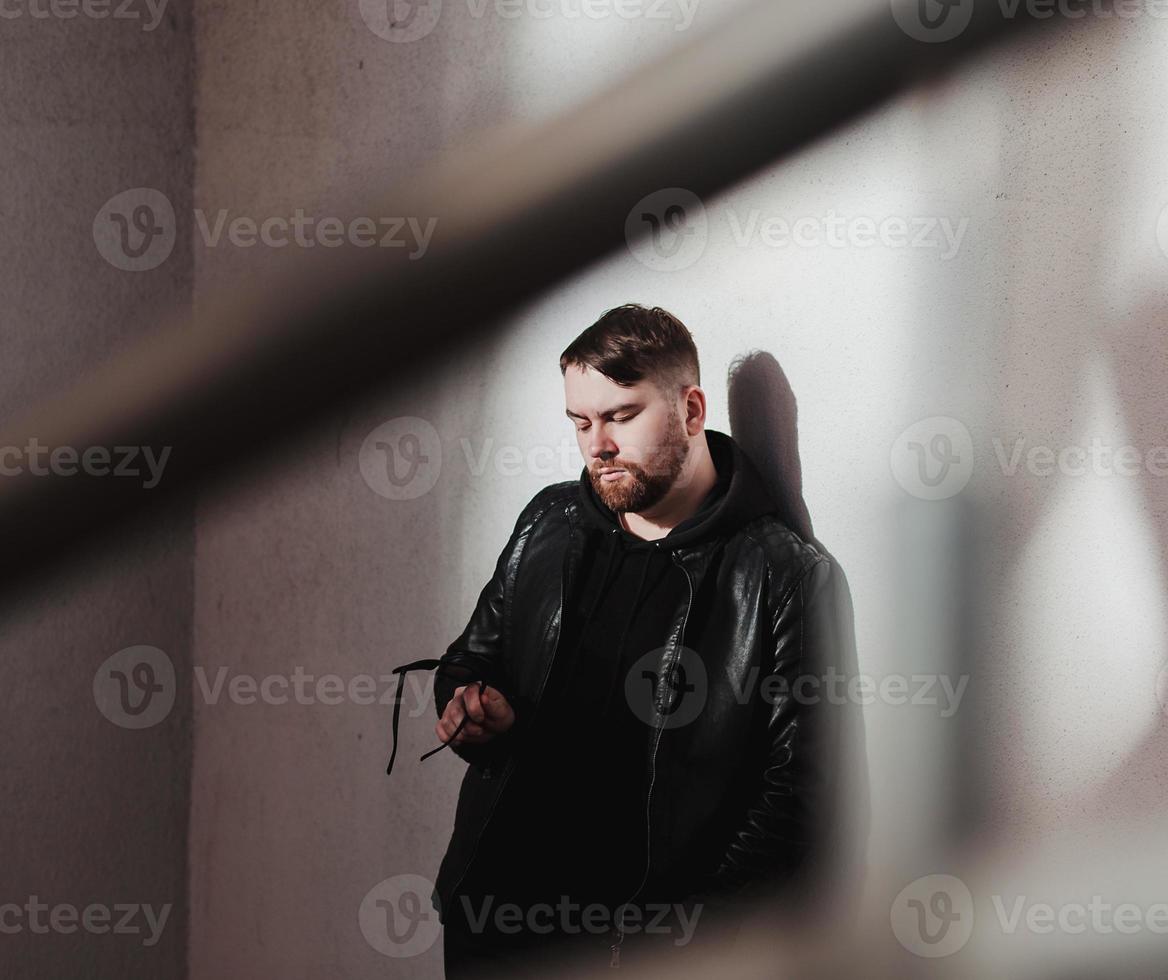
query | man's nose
(602,447)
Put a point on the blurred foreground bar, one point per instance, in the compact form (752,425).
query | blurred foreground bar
(515,213)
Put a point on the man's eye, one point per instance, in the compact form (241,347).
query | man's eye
(627,418)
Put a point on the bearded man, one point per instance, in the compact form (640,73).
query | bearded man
(625,692)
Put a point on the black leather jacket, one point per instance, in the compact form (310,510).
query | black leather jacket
(743,793)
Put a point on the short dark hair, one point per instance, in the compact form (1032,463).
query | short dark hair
(631,343)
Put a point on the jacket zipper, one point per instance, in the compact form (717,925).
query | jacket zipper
(511,762)
(615,948)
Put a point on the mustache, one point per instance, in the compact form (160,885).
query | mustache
(630,467)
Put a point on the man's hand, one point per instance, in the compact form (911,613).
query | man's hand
(489,715)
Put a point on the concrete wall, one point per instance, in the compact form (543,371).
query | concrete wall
(95,810)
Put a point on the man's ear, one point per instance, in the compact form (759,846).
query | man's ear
(695,410)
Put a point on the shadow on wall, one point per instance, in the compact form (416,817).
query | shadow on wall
(764,422)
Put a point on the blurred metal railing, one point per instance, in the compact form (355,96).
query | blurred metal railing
(515,213)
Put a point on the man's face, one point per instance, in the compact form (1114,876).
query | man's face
(633,439)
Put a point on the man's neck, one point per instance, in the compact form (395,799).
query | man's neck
(695,481)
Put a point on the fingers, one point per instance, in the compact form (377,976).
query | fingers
(499,714)
(456,710)
(450,721)
(470,733)
(473,704)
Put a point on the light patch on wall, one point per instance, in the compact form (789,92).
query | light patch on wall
(571,48)
(1090,634)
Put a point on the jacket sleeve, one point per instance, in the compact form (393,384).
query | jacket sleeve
(480,650)
(782,833)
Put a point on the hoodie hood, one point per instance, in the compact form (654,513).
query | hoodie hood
(737,497)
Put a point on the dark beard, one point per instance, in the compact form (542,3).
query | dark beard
(640,489)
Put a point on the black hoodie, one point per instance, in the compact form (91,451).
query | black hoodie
(576,803)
